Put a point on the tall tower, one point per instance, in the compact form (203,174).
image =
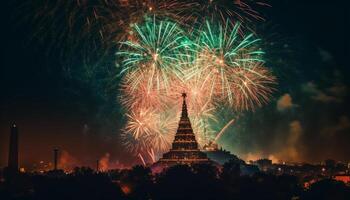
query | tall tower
(55,159)
(13,150)
(184,147)
(97,166)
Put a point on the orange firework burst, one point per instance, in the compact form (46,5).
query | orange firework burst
(252,86)
(136,93)
(146,130)
(140,123)
(163,134)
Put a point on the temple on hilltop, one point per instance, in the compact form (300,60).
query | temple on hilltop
(184,147)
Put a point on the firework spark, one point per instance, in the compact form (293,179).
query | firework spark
(232,11)
(253,86)
(147,129)
(170,9)
(132,145)
(135,93)
(222,131)
(164,132)
(140,123)
(80,25)
(233,66)
(153,51)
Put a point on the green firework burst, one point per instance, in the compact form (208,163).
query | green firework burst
(153,50)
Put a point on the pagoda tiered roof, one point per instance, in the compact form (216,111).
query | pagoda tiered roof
(185,149)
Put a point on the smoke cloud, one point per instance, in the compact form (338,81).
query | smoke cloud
(106,164)
(285,102)
(67,162)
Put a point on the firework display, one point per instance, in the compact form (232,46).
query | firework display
(162,48)
(230,63)
(214,61)
(153,51)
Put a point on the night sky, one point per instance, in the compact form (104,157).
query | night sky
(308,118)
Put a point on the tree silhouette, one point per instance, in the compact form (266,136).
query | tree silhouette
(139,178)
(230,172)
(328,189)
(199,181)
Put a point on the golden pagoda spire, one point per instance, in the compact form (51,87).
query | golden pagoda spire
(184,147)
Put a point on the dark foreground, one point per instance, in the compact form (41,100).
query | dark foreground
(179,182)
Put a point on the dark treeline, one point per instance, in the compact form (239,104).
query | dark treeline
(178,182)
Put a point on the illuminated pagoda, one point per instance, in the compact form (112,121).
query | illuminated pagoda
(184,147)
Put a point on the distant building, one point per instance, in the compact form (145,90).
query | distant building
(219,155)
(264,164)
(13,149)
(222,156)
